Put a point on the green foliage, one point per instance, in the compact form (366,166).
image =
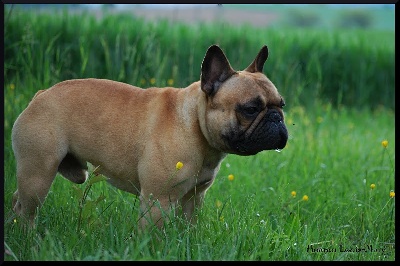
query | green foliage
(339,90)
(330,157)
(351,68)
(86,204)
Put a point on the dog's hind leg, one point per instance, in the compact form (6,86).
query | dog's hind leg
(35,175)
(38,154)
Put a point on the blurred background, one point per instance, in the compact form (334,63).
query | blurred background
(329,16)
(338,54)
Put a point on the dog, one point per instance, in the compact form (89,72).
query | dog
(136,136)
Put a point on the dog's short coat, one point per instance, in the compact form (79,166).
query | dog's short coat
(136,136)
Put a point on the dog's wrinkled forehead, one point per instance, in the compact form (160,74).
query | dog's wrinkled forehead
(251,85)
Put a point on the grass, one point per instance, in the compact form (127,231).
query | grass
(354,62)
(330,157)
(334,153)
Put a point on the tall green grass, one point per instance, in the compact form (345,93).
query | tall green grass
(339,90)
(353,68)
(330,157)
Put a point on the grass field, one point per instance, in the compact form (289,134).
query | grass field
(328,195)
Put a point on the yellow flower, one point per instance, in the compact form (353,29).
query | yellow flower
(293,193)
(305,197)
(372,186)
(391,194)
(12,86)
(170,82)
(384,143)
(179,165)
(15,220)
(142,81)
(231,177)
(218,203)
(152,81)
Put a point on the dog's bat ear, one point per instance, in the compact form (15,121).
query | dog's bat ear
(215,69)
(258,64)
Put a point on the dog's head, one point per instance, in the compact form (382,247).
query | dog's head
(244,109)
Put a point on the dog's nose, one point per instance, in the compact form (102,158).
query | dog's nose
(274,116)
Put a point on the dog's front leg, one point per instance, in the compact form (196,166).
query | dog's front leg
(193,200)
(154,211)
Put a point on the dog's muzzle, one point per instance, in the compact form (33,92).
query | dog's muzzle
(269,134)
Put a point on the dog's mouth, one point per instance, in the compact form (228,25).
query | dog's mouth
(269,134)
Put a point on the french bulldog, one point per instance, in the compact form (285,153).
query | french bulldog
(136,136)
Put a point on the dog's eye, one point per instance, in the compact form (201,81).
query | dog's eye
(250,111)
(251,108)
